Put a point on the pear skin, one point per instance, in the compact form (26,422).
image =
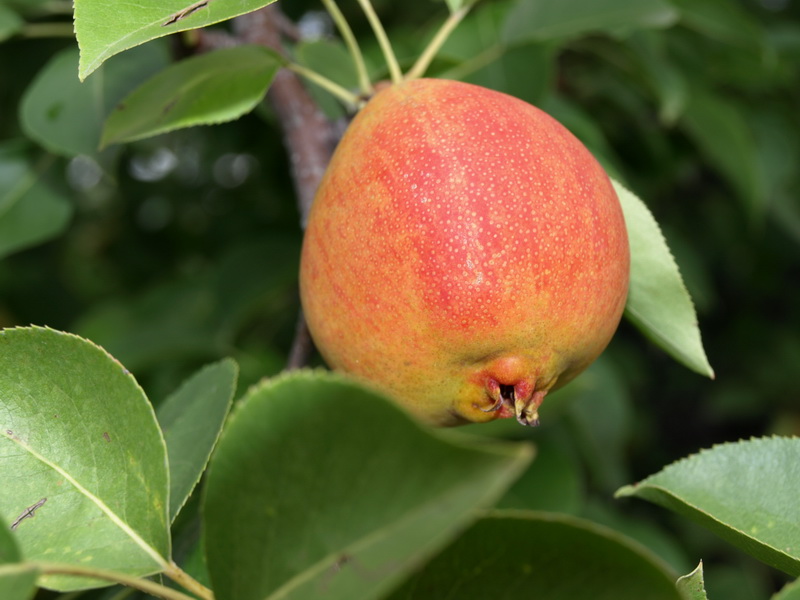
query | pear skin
(465,253)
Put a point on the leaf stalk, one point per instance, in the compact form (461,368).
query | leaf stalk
(143,585)
(427,56)
(334,88)
(395,72)
(352,45)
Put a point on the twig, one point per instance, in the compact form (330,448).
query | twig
(308,135)
(425,59)
(302,345)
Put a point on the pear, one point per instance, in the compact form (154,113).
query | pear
(465,253)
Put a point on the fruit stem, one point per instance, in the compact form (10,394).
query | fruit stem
(388,54)
(427,56)
(352,45)
(334,88)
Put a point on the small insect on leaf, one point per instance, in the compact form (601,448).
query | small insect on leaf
(182,14)
(27,513)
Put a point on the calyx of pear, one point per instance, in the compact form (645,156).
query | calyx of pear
(465,253)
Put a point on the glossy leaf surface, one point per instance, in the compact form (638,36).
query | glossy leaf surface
(320,486)
(65,115)
(658,302)
(203,90)
(745,492)
(104,29)
(191,419)
(82,458)
(519,555)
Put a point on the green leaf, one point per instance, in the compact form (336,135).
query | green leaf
(18,581)
(745,492)
(65,115)
(191,419)
(82,457)
(203,90)
(320,486)
(31,212)
(10,22)
(546,556)
(720,129)
(692,585)
(790,592)
(540,20)
(658,302)
(104,29)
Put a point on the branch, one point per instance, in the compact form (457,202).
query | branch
(308,135)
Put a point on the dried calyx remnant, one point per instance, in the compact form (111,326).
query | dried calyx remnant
(520,400)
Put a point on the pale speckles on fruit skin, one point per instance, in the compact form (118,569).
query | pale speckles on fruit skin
(438,266)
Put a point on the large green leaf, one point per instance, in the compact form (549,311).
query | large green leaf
(547,556)
(540,20)
(31,212)
(65,115)
(692,585)
(105,28)
(746,492)
(81,457)
(203,90)
(320,486)
(658,302)
(191,419)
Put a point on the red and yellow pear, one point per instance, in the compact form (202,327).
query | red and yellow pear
(465,253)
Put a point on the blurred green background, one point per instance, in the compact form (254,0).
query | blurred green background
(178,250)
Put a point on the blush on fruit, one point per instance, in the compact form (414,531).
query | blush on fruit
(465,253)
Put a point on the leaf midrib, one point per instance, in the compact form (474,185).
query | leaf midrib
(131,533)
